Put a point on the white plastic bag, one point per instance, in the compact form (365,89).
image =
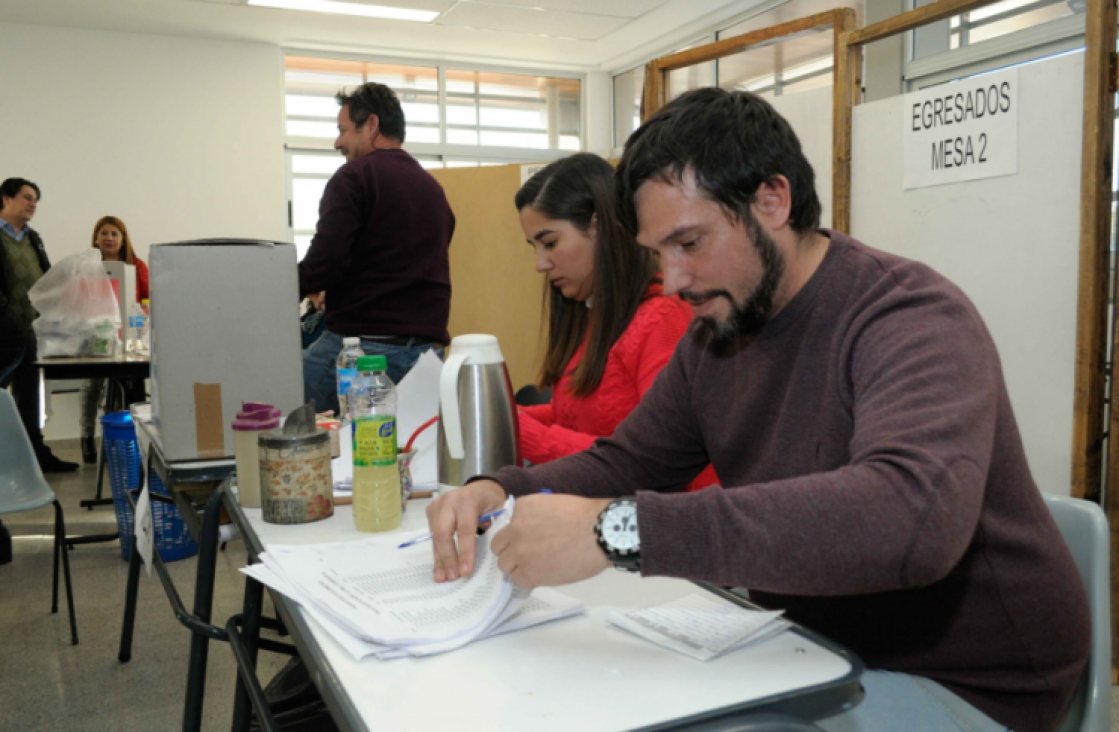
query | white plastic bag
(78,311)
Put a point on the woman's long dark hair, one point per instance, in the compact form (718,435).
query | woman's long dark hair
(578,189)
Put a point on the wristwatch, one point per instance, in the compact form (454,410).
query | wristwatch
(616,532)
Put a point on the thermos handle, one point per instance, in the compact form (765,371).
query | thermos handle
(448,399)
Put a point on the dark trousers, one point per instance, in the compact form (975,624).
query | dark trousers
(17,359)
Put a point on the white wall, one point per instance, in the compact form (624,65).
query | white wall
(1010,243)
(180,138)
(598,128)
(809,113)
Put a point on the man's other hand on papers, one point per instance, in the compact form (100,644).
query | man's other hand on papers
(454,513)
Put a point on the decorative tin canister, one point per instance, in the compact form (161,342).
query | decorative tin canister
(296,483)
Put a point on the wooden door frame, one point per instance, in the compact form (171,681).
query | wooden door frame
(846,64)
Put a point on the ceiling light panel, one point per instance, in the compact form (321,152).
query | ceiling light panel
(338,7)
(616,8)
(535,21)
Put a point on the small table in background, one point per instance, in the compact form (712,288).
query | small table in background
(125,385)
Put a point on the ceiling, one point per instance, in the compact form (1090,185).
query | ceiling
(560,34)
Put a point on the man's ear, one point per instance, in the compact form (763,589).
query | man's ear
(773,201)
(372,127)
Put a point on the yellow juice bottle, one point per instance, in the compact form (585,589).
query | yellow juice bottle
(376,496)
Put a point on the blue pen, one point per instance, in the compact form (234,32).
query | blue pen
(481,520)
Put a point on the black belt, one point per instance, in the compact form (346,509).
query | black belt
(402,341)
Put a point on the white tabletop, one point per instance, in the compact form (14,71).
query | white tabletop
(579,673)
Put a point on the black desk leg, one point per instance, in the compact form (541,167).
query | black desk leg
(250,631)
(203,605)
(89,503)
(130,595)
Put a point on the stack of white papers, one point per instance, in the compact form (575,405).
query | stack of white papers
(378,600)
(702,626)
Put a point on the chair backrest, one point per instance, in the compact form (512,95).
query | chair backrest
(22,485)
(1084,526)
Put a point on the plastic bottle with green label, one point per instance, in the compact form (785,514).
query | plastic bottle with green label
(372,404)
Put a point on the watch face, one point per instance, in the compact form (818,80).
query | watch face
(619,528)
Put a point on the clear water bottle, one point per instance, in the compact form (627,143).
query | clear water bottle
(347,372)
(138,325)
(376,497)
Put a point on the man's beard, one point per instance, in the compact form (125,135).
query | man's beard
(749,317)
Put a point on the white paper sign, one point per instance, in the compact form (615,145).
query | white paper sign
(144,530)
(527,171)
(964,130)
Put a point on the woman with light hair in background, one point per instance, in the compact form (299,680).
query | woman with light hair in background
(110,236)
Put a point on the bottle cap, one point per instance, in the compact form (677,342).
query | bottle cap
(347,342)
(255,422)
(266,413)
(372,363)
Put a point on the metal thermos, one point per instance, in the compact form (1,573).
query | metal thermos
(478,431)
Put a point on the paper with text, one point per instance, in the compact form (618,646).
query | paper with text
(701,626)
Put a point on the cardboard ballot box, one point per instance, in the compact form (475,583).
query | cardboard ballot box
(224,330)
(123,278)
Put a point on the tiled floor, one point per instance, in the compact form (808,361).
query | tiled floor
(48,684)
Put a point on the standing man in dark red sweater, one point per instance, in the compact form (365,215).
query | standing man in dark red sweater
(378,262)
(853,403)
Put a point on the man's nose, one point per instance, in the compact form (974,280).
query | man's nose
(676,278)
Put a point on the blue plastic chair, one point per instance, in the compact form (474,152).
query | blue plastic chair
(1084,526)
(23,488)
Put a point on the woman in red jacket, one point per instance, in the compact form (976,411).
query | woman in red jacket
(610,327)
(110,235)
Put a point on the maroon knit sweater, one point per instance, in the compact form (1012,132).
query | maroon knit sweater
(380,250)
(884,496)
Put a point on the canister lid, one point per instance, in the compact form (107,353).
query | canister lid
(278,439)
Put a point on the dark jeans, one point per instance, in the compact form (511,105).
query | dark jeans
(18,370)
(320,381)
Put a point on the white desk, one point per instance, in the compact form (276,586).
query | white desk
(579,673)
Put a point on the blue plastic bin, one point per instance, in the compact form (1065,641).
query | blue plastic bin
(122,454)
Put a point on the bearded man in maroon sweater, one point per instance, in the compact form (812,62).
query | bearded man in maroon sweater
(854,405)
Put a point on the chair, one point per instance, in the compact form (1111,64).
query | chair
(1084,526)
(529,396)
(23,488)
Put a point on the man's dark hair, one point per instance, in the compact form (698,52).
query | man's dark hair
(373,98)
(733,140)
(12,186)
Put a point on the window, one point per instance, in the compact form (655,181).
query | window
(801,63)
(512,110)
(797,63)
(692,77)
(989,22)
(488,118)
(311,84)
